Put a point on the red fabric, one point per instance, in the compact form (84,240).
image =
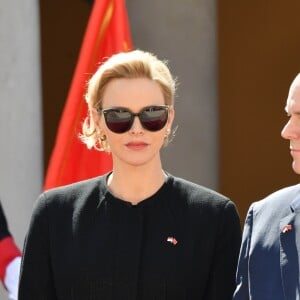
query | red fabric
(8,251)
(107,33)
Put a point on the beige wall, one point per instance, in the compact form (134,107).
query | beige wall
(184,32)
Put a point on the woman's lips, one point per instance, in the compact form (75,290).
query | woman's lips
(136,145)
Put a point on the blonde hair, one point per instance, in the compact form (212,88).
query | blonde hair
(133,64)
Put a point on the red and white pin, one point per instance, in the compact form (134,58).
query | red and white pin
(286,228)
(172,240)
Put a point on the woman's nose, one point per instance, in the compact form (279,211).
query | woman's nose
(136,126)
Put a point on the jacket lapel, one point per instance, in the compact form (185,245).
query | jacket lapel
(290,251)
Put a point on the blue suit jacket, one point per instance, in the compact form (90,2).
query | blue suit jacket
(268,266)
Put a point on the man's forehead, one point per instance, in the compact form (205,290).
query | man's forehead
(293,100)
(293,105)
(295,86)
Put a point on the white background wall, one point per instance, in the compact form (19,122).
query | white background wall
(20,117)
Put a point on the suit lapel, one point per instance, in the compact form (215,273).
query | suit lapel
(290,250)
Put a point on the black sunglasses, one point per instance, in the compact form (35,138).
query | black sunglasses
(120,120)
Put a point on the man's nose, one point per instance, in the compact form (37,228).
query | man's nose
(289,131)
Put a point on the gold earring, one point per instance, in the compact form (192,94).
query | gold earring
(103,138)
(104,143)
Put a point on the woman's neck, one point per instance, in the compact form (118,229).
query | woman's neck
(136,184)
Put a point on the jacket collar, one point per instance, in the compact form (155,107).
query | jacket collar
(295,204)
(290,250)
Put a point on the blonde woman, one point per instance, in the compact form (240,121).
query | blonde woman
(137,232)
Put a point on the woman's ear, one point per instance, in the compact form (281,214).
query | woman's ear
(95,116)
(171,116)
(98,122)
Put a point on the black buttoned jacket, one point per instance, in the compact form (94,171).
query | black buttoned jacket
(85,244)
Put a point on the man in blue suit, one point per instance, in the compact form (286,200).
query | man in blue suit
(268,266)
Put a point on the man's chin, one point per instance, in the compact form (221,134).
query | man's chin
(296,167)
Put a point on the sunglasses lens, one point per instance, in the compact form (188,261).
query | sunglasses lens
(154,118)
(118,121)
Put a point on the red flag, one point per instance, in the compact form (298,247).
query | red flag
(107,33)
